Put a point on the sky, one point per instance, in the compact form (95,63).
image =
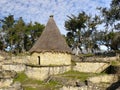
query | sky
(40,10)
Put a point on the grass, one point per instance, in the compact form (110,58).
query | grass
(53,85)
(32,81)
(30,88)
(32,84)
(115,63)
(21,77)
(79,75)
(43,86)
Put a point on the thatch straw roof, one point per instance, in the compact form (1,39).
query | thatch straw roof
(51,40)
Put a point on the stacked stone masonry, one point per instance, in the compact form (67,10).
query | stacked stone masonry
(49,58)
(42,73)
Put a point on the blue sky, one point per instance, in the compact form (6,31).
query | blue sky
(40,10)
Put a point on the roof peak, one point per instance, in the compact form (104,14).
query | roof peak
(51,16)
(51,40)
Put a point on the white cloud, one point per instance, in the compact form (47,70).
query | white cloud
(40,10)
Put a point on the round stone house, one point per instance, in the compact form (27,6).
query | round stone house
(51,48)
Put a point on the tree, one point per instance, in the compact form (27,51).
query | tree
(111,18)
(17,35)
(80,29)
(75,26)
(116,41)
(33,32)
(20,31)
(2,46)
(111,15)
(7,25)
(26,35)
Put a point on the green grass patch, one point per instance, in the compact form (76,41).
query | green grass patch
(115,63)
(53,85)
(38,85)
(79,75)
(21,77)
(32,81)
(45,86)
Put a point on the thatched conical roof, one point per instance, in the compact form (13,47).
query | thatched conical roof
(51,40)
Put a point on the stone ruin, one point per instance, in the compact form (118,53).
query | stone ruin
(9,69)
(7,78)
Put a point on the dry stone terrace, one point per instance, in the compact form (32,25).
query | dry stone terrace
(9,72)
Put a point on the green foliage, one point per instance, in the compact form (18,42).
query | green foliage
(1,45)
(115,42)
(112,14)
(18,35)
(80,30)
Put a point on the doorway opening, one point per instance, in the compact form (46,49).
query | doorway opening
(39,60)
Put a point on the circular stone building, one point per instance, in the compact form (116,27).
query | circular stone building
(51,48)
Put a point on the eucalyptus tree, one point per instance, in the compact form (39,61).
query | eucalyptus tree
(33,32)
(111,15)
(90,33)
(7,31)
(26,34)
(20,29)
(111,18)
(2,45)
(75,26)
(115,45)
(80,30)
(17,35)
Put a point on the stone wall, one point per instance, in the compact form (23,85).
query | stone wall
(90,67)
(81,88)
(42,73)
(1,58)
(104,59)
(108,59)
(5,82)
(14,66)
(104,79)
(49,58)
(20,59)
(74,88)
